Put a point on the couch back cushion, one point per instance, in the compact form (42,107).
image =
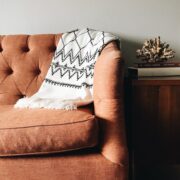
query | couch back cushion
(24,61)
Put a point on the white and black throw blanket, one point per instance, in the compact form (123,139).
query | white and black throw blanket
(69,81)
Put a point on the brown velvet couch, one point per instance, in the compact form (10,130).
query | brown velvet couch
(40,144)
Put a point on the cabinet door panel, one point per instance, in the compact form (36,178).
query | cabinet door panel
(155,127)
(145,113)
(175,127)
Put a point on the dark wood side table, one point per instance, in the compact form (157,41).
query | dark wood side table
(154,122)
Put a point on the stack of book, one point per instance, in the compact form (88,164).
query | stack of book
(161,70)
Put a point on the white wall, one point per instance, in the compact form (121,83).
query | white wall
(133,20)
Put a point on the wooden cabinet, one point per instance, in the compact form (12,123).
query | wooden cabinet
(154,122)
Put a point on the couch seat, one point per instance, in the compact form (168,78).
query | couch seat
(42,131)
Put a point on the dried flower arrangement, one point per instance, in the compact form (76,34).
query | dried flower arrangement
(155,51)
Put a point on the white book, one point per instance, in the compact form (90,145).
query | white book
(151,72)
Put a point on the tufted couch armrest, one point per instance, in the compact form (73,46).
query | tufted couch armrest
(108,103)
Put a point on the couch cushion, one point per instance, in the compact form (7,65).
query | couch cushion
(42,131)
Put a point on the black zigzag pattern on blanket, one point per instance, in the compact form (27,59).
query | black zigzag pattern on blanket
(75,58)
(68,85)
(71,56)
(72,71)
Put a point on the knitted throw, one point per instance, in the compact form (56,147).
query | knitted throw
(69,81)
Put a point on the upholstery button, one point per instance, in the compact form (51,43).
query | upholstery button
(9,71)
(1,49)
(25,49)
(38,71)
(52,48)
(20,96)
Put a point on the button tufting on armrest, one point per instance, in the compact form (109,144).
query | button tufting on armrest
(9,71)
(25,49)
(20,96)
(52,48)
(37,71)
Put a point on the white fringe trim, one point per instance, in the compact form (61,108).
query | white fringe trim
(35,102)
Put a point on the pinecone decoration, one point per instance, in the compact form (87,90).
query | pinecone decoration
(155,51)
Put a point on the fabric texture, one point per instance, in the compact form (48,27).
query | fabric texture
(24,62)
(40,131)
(79,165)
(69,81)
(109,104)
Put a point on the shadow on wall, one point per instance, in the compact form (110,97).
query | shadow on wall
(129,48)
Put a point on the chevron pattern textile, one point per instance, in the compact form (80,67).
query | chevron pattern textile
(69,81)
